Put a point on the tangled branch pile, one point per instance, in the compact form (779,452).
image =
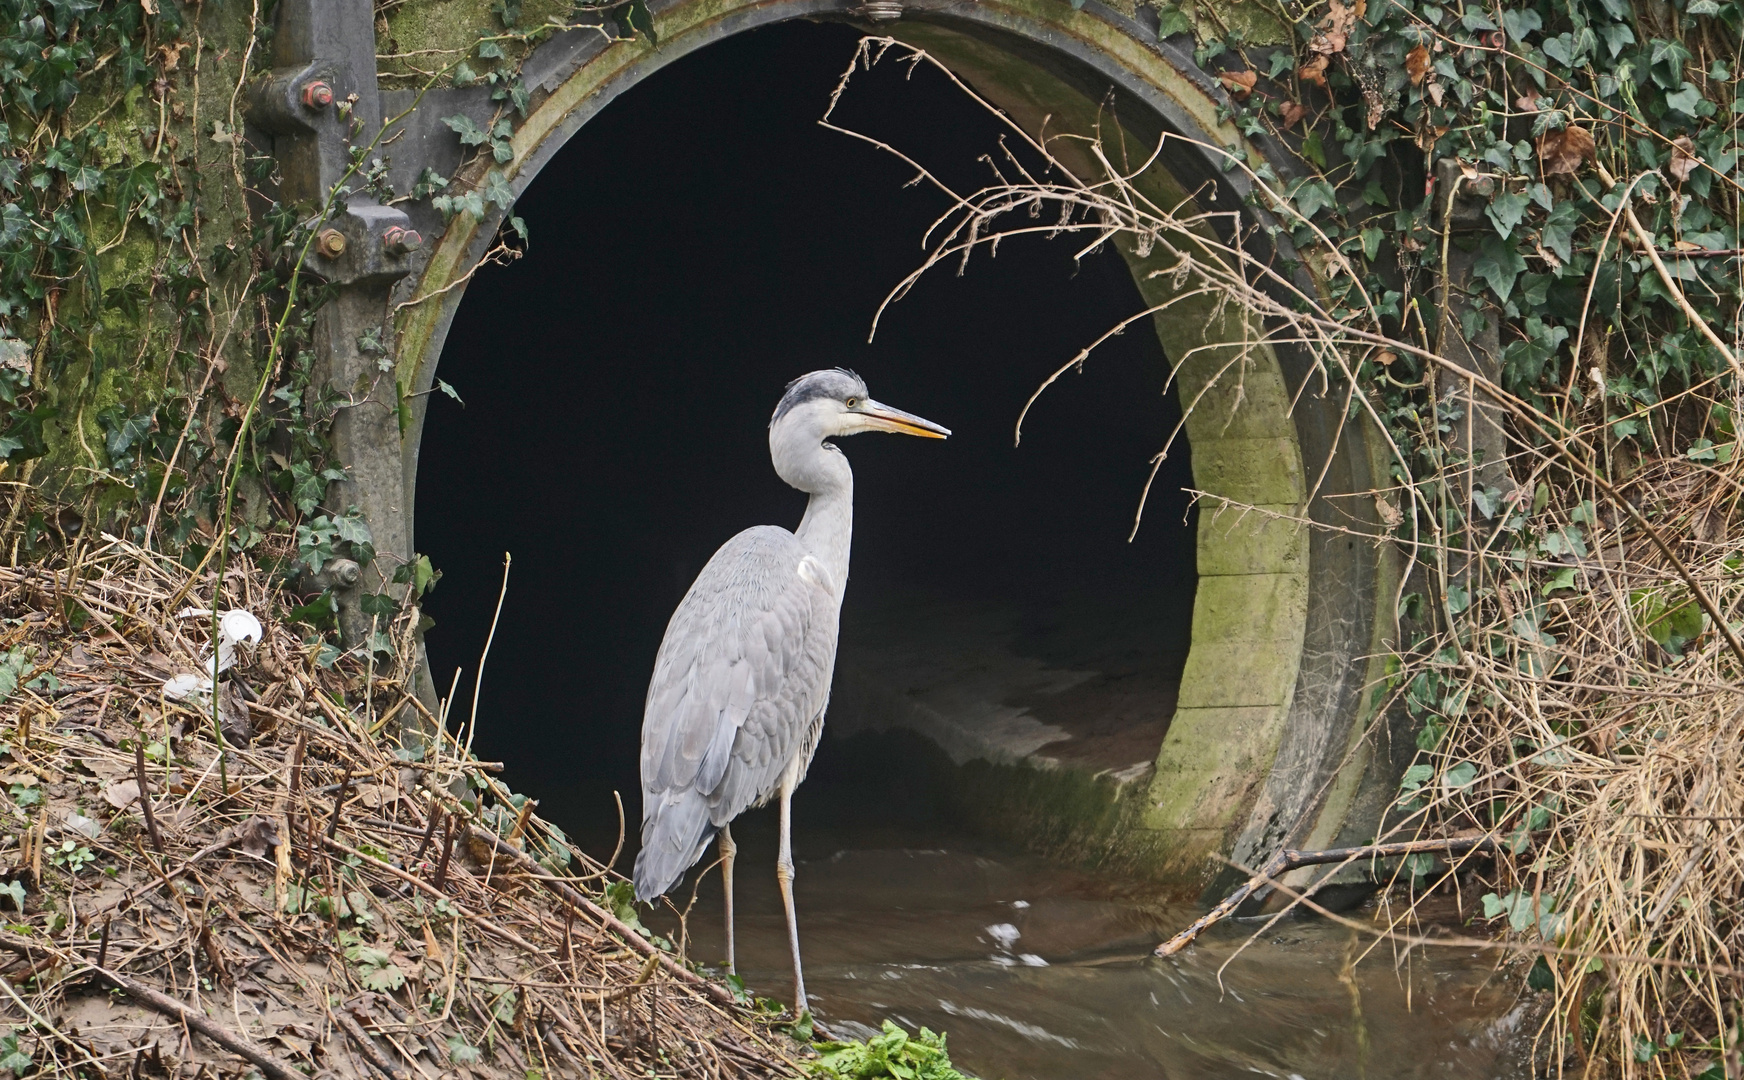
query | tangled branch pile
(1586,710)
(293,882)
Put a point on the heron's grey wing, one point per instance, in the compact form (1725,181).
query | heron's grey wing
(743,670)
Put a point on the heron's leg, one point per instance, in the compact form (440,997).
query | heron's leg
(784,875)
(728,851)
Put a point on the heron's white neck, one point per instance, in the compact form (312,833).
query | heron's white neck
(803,460)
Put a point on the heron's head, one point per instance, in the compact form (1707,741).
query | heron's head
(826,404)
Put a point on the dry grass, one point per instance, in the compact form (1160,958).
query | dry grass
(339,910)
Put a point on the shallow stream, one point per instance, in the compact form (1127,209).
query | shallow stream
(1039,972)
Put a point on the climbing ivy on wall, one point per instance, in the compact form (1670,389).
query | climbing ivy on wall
(1542,106)
(1561,177)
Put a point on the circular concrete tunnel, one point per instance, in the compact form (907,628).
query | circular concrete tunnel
(696,241)
(700,243)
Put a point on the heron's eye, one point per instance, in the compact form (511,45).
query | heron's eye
(853,403)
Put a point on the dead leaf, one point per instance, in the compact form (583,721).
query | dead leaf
(1290,113)
(432,950)
(233,716)
(1710,526)
(1436,92)
(160,663)
(1683,158)
(1239,83)
(1563,153)
(1391,516)
(1417,65)
(1377,109)
(1334,29)
(1314,71)
(256,835)
(122,794)
(150,6)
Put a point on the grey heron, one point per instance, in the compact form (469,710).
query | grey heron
(742,679)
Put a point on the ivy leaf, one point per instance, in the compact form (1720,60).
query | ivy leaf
(450,391)
(1313,195)
(15,1059)
(498,191)
(85,178)
(308,487)
(1505,212)
(1499,263)
(1519,22)
(1562,579)
(641,20)
(1172,21)
(1557,232)
(1618,36)
(1459,776)
(1371,242)
(1686,100)
(470,133)
(1561,49)
(460,1052)
(125,433)
(352,530)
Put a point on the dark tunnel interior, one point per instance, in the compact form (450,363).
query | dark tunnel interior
(697,245)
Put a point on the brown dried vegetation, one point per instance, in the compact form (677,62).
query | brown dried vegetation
(338,911)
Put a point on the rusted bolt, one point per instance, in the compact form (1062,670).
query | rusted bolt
(317,94)
(331,243)
(399,240)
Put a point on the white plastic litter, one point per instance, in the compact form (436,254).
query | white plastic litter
(235,627)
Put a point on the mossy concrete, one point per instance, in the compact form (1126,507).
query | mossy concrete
(1282,614)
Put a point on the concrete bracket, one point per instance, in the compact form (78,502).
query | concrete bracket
(321,94)
(318,106)
(368,244)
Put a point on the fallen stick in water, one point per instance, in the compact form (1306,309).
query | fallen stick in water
(1290,859)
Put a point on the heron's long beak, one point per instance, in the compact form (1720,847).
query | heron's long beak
(878,416)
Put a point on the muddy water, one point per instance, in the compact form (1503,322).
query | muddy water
(1039,972)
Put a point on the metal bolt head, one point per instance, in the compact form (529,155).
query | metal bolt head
(399,240)
(317,94)
(330,243)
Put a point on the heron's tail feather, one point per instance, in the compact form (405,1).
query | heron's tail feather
(675,831)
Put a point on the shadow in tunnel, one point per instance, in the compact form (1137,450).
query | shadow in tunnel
(693,248)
